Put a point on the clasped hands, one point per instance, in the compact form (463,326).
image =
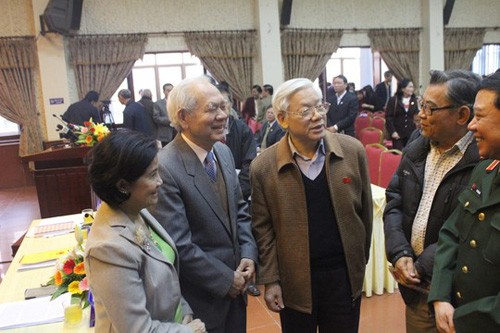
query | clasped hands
(244,274)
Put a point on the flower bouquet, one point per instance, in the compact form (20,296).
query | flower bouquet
(70,273)
(91,133)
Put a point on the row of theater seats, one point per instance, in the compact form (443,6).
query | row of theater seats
(382,163)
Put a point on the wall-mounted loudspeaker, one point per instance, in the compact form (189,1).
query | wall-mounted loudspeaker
(286,12)
(63,16)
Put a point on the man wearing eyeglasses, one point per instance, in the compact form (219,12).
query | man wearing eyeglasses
(423,192)
(311,217)
(201,206)
(465,289)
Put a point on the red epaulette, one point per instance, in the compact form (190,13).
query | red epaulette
(492,166)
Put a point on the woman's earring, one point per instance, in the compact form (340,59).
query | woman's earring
(123,191)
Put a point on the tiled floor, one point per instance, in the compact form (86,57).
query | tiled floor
(18,207)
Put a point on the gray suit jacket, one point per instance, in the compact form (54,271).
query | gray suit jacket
(160,117)
(210,249)
(135,288)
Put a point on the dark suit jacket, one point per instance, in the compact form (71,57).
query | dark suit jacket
(135,118)
(241,142)
(210,247)
(381,93)
(80,112)
(397,120)
(149,106)
(274,135)
(344,114)
(160,116)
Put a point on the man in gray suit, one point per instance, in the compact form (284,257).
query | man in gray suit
(202,208)
(165,132)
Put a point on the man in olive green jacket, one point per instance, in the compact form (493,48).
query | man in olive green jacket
(311,217)
(465,289)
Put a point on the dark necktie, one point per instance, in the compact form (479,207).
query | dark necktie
(263,144)
(210,167)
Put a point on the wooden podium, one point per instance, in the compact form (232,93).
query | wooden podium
(61,180)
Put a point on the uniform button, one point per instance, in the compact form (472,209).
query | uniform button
(465,269)
(473,244)
(459,294)
(481,216)
(466,204)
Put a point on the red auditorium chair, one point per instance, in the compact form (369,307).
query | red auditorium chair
(378,122)
(373,153)
(363,120)
(389,162)
(371,135)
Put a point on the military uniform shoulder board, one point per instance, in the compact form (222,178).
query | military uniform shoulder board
(493,165)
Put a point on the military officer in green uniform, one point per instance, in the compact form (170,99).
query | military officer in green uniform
(465,290)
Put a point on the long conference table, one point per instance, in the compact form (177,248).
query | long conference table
(377,278)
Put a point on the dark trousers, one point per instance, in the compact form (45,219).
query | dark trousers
(333,307)
(236,318)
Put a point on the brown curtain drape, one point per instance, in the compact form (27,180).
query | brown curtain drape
(102,62)
(306,51)
(461,45)
(400,50)
(228,56)
(18,63)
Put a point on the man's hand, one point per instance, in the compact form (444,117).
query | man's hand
(444,317)
(238,285)
(405,272)
(197,326)
(247,269)
(332,129)
(273,298)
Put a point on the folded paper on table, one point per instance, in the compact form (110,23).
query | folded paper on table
(35,311)
(53,229)
(34,258)
(25,267)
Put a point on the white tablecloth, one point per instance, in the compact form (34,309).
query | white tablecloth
(377,275)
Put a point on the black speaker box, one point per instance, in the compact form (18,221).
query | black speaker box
(286,12)
(63,16)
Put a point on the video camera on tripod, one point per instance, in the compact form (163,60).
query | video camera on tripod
(107,116)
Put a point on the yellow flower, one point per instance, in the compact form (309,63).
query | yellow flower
(74,287)
(58,279)
(79,269)
(89,139)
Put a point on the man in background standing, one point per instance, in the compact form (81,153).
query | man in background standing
(149,106)
(343,107)
(134,116)
(265,102)
(82,111)
(383,89)
(165,131)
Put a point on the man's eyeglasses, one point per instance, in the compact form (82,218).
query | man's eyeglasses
(322,109)
(429,110)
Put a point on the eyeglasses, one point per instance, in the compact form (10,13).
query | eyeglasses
(322,109)
(429,110)
(214,107)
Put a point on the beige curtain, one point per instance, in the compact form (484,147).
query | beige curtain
(102,62)
(461,45)
(18,63)
(400,50)
(228,56)
(306,52)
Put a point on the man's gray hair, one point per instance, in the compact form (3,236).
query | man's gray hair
(183,97)
(281,98)
(125,93)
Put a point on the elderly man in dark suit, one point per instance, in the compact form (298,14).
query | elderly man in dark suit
(343,107)
(160,117)
(202,208)
(271,132)
(134,115)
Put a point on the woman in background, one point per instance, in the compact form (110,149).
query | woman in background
(131,261)
(401,108)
